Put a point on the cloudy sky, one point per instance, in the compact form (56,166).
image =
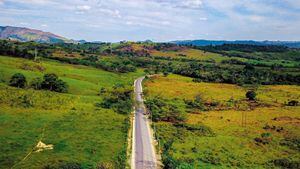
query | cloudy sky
(158,20)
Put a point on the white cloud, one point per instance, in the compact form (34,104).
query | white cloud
(83,7)
(112,12)
(192,3)
(157,19)
(44,25)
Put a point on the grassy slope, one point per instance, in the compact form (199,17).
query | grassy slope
(79,131)
(234,145)
(192,54)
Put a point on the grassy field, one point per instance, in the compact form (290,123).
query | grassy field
(235,122)
(81,133)
(194,54)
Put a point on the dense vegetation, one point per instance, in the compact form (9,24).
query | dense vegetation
(89,87)
(240,64)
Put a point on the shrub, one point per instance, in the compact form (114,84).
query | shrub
(36,83)
(197,103)
(165,110)
(292,143)
(104,165)
(18,80)
(64,165)
(201,129)
(264,139)
(119,99)
(251,95)
(286,163)
(52,83)
(293,103)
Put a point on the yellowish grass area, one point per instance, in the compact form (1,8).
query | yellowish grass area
(219,121)
(175,86)
(234,144)
(60,53)
(238,139)
(192,54)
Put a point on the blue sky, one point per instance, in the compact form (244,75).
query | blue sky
(158,20)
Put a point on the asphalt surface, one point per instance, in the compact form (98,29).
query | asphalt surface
(144,157)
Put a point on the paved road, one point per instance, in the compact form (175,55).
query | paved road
(144,156)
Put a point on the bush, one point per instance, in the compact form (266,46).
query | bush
(165,110)
(18,80)
(292,143)
(286,163)
(36,83)
(201,129)
(197,103)
(64,165)
(119,99)
(293,103)
(251,95)
(52,83)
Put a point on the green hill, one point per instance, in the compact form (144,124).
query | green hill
(81,133)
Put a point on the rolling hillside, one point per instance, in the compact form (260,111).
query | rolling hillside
(26,34)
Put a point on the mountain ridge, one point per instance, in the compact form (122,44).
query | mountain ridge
(26,34)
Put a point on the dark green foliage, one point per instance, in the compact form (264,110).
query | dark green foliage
(119,99)
(265,138)
(245,48)
(251,95)
(52,83)
(197,103)
(168,161)
(165,110)
(36,83)
(293,143)
(18,80)
(64,165)
(286,163)
(200,129)
(293,103)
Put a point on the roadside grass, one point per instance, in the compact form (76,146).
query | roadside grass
(79,131)
(233,145)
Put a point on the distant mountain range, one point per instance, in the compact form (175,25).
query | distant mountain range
(291,44)
(26,34)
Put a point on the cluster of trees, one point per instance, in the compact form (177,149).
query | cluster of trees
(118,99)
(49,82)
(25,50)
(244,48)
(165,110)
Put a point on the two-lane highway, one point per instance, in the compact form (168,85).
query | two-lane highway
(143,148)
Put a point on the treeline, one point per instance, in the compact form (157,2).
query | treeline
(25,50)
(244,48)
(211,72)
